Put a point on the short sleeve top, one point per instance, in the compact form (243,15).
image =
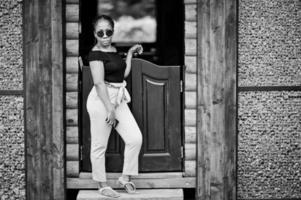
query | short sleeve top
(114,65)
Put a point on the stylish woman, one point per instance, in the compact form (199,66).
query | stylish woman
(107,107)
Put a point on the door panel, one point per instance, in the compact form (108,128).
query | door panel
(155,93)
(157,109)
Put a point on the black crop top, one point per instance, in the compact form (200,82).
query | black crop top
(114,65)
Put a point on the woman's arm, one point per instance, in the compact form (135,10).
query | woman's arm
(128,62)
(129,56)
(97,71)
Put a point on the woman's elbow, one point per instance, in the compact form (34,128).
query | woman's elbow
(99,84)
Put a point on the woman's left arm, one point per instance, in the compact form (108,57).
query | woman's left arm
(129,57)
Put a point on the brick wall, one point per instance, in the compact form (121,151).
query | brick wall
(12,170)
(269,126)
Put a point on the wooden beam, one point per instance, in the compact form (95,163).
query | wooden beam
(72,168)
(190,151)
(72,82)
(71,99)
(190,47)
(43,69)
(190,63)
(190,30)
(190,117)
(159,175)
(72,117)
(72,152)
(72,64)
(190,99)
(72,47)
(72,1)
(72,12)
(190,168)
(72,135)
(72,30)
(190,81)
(190,134)
(190,12)
(216,100)
(183,182)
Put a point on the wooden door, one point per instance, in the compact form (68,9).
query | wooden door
(156,106)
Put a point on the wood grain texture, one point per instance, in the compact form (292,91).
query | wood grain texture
(72,12)
(72,47)
(72,117)
(44,131)
(72,82)
(190,12)
(159,175)
(72,64)
(216,113)
(72,169)
(190,117)
(183,182)
(190,151)
(142,194)
(190,63)
(190,29)
(190,168)
(190,134)
(190,47)
(72,30)
(190,81)
(72,152)
(190,99)
(190,1)
(72,1)
(71,99)
(72,135)
(58,152)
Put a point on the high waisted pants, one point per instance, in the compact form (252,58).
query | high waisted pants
(100,131)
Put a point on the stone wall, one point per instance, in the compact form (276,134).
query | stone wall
(269,42)
(11,68)
(12,170)
(269,126)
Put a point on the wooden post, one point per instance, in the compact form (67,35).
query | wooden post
(43,68)
(216,99)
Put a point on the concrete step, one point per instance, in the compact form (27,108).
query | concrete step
(142,194)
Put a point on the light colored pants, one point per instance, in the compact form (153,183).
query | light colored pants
(100,131)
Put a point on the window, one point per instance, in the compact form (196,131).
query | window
(135,20)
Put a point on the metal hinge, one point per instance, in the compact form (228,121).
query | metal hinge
(182,152)
(181,86)
(81,152)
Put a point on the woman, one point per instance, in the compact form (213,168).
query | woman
(107,107)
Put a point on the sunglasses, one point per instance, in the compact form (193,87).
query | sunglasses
(101,33)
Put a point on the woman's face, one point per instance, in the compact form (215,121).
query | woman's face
(102,30)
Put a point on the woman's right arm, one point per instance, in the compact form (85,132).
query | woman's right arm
(97,71)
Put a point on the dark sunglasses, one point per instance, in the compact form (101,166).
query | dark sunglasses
(101,33)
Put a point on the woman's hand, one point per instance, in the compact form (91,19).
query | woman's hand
(136,48)
(111,117)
